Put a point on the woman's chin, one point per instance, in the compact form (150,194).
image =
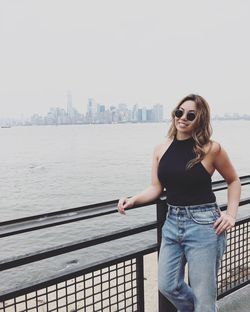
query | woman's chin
(183,130)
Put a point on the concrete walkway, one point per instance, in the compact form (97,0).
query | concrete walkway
(238,301)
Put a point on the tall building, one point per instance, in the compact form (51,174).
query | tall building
(144,114)
(91,110)
(158,112)
(70,110)
(92,106)
(73,116)
(135,113)
(102,108)
(139,115)
(150,115)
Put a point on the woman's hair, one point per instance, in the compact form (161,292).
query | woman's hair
(202,130)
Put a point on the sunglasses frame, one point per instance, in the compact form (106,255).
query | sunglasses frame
(190,115)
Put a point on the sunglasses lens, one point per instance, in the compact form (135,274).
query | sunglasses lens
(178,113)
(191,116)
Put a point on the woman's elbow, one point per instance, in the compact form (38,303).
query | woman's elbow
(235,183)
(157,188)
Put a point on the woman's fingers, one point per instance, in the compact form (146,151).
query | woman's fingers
(223,223)
(123,204)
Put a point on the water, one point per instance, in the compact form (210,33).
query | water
(48,168)
(52,168)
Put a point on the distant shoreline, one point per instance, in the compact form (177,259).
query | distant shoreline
(112,123)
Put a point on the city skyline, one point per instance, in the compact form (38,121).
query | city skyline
(69,101)
(96,114)
(82,108)
(102,114)
(133,52)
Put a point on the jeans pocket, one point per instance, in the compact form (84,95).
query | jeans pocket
(204,217)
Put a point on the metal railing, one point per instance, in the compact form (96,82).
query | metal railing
(118,283)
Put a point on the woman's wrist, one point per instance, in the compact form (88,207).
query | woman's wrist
(132,200)
(231,215)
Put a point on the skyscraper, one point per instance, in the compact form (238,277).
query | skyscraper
(70,110)
(158,112)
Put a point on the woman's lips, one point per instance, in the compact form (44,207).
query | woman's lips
(182,124)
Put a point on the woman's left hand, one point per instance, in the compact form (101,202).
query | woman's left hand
(225,222)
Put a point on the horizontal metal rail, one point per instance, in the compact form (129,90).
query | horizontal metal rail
(29,224)
(84,243)
(222,185)
(37,222)
(32,286)
(73,246)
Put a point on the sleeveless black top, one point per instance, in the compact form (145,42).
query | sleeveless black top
(184,187)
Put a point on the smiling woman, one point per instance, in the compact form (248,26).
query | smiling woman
(182,121)
(195,229)
(192,118)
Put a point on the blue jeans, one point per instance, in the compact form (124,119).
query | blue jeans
(188,236)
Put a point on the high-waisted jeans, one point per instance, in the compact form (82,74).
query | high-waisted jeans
(188,236)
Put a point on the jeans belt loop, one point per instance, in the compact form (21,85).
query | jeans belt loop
(188,212)
(168,210)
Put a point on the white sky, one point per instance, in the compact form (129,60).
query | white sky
(123,51)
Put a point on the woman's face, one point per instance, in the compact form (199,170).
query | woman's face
(183,125)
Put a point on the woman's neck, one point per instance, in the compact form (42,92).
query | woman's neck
(182,136)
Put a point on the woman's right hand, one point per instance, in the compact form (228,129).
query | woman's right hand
(123,204)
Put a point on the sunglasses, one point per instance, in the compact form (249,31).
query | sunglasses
(190,115)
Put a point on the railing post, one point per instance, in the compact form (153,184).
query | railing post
(140,282)
(161,210)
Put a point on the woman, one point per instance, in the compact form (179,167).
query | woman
(195,229)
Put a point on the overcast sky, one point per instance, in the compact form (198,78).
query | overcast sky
(123,51)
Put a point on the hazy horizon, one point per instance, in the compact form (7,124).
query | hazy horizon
(166,115)
(134,52)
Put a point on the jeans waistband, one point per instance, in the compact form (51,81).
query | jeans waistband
(201,207)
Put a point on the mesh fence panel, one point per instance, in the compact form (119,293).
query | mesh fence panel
(235,265)
(114,288)
(117,287)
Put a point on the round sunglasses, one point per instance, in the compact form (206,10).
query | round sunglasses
(190,115)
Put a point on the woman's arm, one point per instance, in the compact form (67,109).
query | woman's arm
(224,166)
(152,192)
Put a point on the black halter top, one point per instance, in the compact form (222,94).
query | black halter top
(184,187)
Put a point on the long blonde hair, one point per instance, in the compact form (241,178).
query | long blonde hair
(202,130)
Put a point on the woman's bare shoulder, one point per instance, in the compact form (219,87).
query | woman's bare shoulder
(213,147)
(161,148)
